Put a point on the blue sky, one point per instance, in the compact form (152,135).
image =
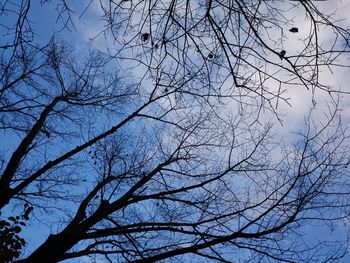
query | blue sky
(89,25)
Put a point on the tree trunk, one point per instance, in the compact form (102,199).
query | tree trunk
(54,247)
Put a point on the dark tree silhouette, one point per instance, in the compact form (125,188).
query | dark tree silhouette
(159,147)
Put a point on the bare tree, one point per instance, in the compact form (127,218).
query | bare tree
(178,158)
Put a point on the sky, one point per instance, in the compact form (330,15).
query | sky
(89,25)
(300,99)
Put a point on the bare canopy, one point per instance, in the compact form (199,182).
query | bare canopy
(166,144)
